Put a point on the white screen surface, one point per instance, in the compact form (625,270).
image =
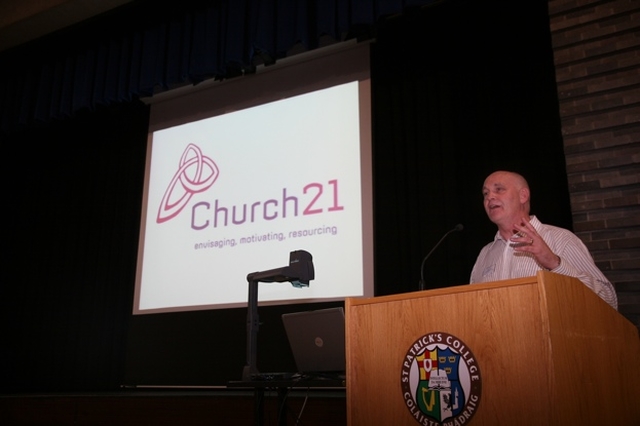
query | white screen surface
(235,193)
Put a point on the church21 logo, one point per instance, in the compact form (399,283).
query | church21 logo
(441,382)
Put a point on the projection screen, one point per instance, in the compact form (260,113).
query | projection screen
(242,172)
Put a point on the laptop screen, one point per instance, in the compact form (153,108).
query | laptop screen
(317,340)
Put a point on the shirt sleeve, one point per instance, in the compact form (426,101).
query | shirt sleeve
(576,261)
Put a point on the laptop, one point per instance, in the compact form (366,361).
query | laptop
(317,340)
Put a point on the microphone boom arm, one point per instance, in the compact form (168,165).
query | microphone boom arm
(458,227)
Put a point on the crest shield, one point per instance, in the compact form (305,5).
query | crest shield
(439,393)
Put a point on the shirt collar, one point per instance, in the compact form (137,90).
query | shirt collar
(532,219)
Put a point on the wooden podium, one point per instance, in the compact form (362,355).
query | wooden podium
(543,350)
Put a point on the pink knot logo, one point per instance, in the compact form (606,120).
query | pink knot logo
(196,173)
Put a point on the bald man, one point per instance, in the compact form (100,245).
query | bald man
(523,245)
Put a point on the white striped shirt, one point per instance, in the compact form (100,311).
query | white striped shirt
(498,261)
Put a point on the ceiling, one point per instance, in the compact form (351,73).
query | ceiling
(22,21)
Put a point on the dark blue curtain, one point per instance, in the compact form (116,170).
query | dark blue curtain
(75,131)
(73,205)
(460,88)
(146,47)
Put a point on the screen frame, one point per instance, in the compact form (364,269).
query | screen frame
(311,71)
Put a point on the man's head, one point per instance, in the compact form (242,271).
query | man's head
(506,198)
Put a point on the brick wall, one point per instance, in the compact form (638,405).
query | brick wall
(596,48)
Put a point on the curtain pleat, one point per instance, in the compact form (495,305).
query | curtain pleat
(151,60)
(177,70)
(136,68)
(80,84)
(95,78)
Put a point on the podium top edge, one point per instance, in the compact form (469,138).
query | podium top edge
(352,301)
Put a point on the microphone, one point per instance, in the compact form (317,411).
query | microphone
(458,227)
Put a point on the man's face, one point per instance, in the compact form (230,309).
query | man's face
(504,198)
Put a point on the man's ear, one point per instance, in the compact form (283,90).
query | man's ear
(524,195)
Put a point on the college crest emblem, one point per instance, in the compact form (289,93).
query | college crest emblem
(441,382)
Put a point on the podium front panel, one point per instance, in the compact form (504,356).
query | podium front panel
(505,330)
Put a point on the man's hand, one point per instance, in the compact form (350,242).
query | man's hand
(530,241)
